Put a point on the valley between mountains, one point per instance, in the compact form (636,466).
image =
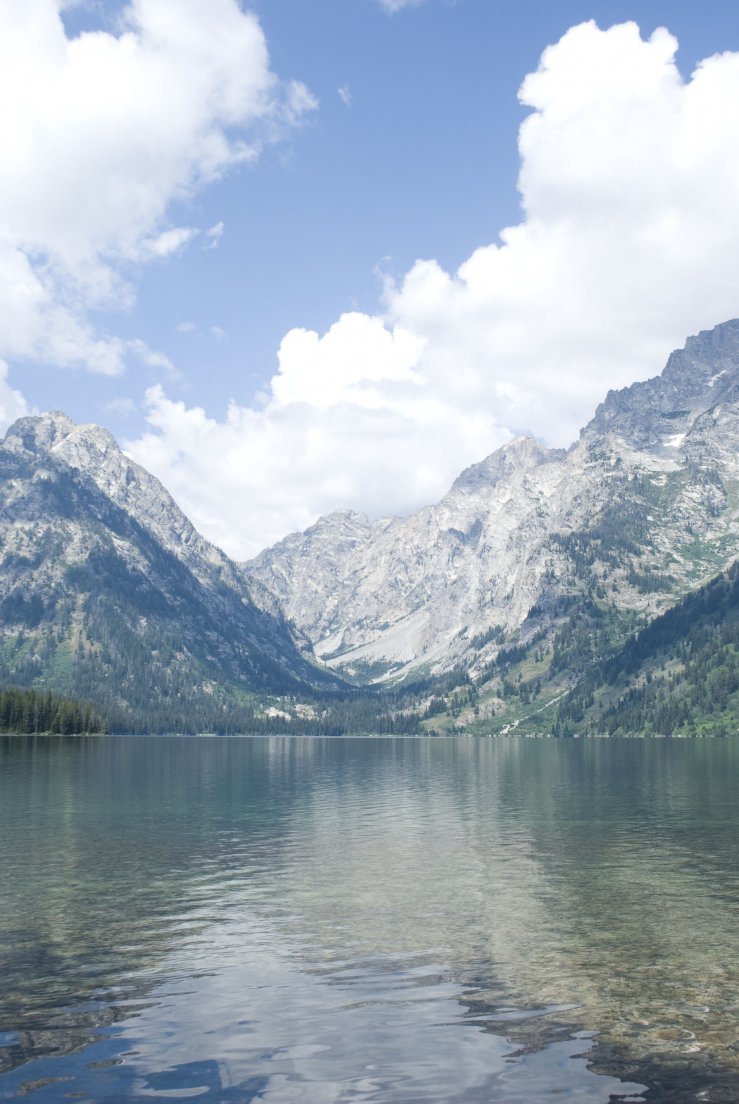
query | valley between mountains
(588,590)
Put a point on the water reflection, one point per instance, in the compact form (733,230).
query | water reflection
(379,919)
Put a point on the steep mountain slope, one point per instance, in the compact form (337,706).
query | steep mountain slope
(643,508)
(108,593)
(373,596)
(680,674)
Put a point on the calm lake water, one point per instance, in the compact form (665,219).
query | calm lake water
(380,920)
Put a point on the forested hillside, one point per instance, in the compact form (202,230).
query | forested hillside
(108,594)
(680,674)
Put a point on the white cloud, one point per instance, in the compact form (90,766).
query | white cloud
(345,95)
(298,102)
(151,357)
(250,479)
(350,420)
(168,242)
(186,328)
(218,333)
(12,403)
(627,244)
(214,235)
(100,134)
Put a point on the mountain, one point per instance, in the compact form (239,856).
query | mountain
(564,551)
(679,675)
(107,593)
(527,598)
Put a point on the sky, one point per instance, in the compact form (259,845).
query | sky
(301,257)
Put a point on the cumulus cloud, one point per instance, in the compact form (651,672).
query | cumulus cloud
(100,134)
(628,242)
(262,472)
(12,403)
(348,421)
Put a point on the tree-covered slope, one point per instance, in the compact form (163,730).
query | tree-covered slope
(680,674)
(108,594)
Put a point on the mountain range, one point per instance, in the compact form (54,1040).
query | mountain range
(641,509)
(491,610)
(108,593)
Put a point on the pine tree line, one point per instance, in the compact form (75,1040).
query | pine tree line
(32,711)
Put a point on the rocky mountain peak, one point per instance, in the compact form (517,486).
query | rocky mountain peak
(704,360)
(520,454)
(341,519)
(84,447)
(653,413)
(105,582)
(38,434)
(95,453)
(639,510)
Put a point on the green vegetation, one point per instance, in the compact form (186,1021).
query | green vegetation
(585,666)
(212,711)
(156,650)
(679,675)
(154,643)
(29,711)
(580,665)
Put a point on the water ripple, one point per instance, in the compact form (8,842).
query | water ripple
(375,920)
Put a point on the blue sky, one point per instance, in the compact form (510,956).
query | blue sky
(401,144)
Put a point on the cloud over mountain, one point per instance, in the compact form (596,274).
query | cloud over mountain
(628,241)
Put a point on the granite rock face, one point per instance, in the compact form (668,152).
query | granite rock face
(641,509)
(105,583)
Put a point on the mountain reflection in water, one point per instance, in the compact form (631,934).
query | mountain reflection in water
(386,920)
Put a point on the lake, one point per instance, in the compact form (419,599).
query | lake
(322,920)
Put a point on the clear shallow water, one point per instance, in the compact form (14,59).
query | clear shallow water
(316,920)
